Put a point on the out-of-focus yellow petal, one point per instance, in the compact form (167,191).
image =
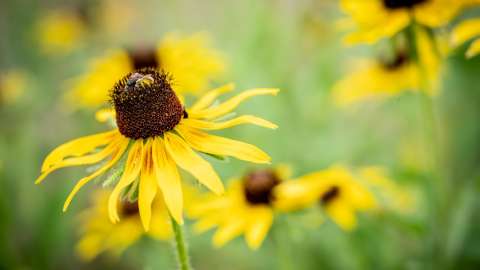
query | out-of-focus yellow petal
(78,147)
(474,49)
(429,59)
(342,214)
(188,160)
(147,187)
(216,145)
(132,170)
(13,84)
(465,31)
(231,104)
(209,97)
(121,147)
(191,61)
(260,221)
(168,180)
(436,13)
(241,120)
(104,115)
(232,228)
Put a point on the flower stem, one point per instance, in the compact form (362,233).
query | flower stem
(182,253)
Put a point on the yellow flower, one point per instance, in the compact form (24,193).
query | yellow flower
(465,31)
(60,31)
(377,19)
(190,61)
(99,235)
(334,189)
(155,134)
(394,197)
(246,208)
(12,85)
(373,79)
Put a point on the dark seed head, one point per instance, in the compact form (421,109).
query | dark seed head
(145,104)
(259,185)
(396,4)
(396,62)
(128,209)
(144,58)
(330,195)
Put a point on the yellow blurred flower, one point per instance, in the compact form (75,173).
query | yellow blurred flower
(465,31)
(60,31)
(334,189)
(190,60)
(393,196)
(12,86)
(246,208)
(99,235)
(155,134)
(377,19)
(373,79)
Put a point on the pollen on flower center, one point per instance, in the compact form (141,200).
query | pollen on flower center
(144,58)
(258,186)
(145,104)
(394,4)
(129,209)
(330,195)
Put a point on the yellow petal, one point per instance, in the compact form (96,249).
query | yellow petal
(342,214)
(216,145)
(231,104)
(168,180)
(78,147)
(147,187)
(84,160)
(121,147)
(261,219)
(244,119)
(228,231)
(207,99)
(207,222)
(188,160)
(474,49)
(104,115)
(465,31)
(132,169)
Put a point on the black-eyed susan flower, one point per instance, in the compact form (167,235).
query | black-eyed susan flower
(60,31)
(377,19)
(155,134)
(13,83)
(386,77)
(334,189)
(246,208)
(189,59)
(99,235)
(466,31)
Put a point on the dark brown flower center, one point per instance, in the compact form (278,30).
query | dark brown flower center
(128,209)
(395,4)
(330,195)
(144,58)
(258,186)
(145,104)
(399,60)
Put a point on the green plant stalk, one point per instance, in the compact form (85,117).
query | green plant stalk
(181,247)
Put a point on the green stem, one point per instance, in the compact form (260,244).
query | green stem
(182,253)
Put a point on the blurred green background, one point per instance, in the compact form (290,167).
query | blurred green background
(290,44)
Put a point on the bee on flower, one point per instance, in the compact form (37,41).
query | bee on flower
(189,59)
(155,133)
(99,235)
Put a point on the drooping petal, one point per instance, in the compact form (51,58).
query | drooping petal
(168,180)
(147,187)
(342,214)
(216,145)
(132,169)
(474,49)
(231,104)
(260,221)
(232,228)
(83,160)
(244,119)
(188,160)
(465,31)
(121,147)
(207,99)
(78,147)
